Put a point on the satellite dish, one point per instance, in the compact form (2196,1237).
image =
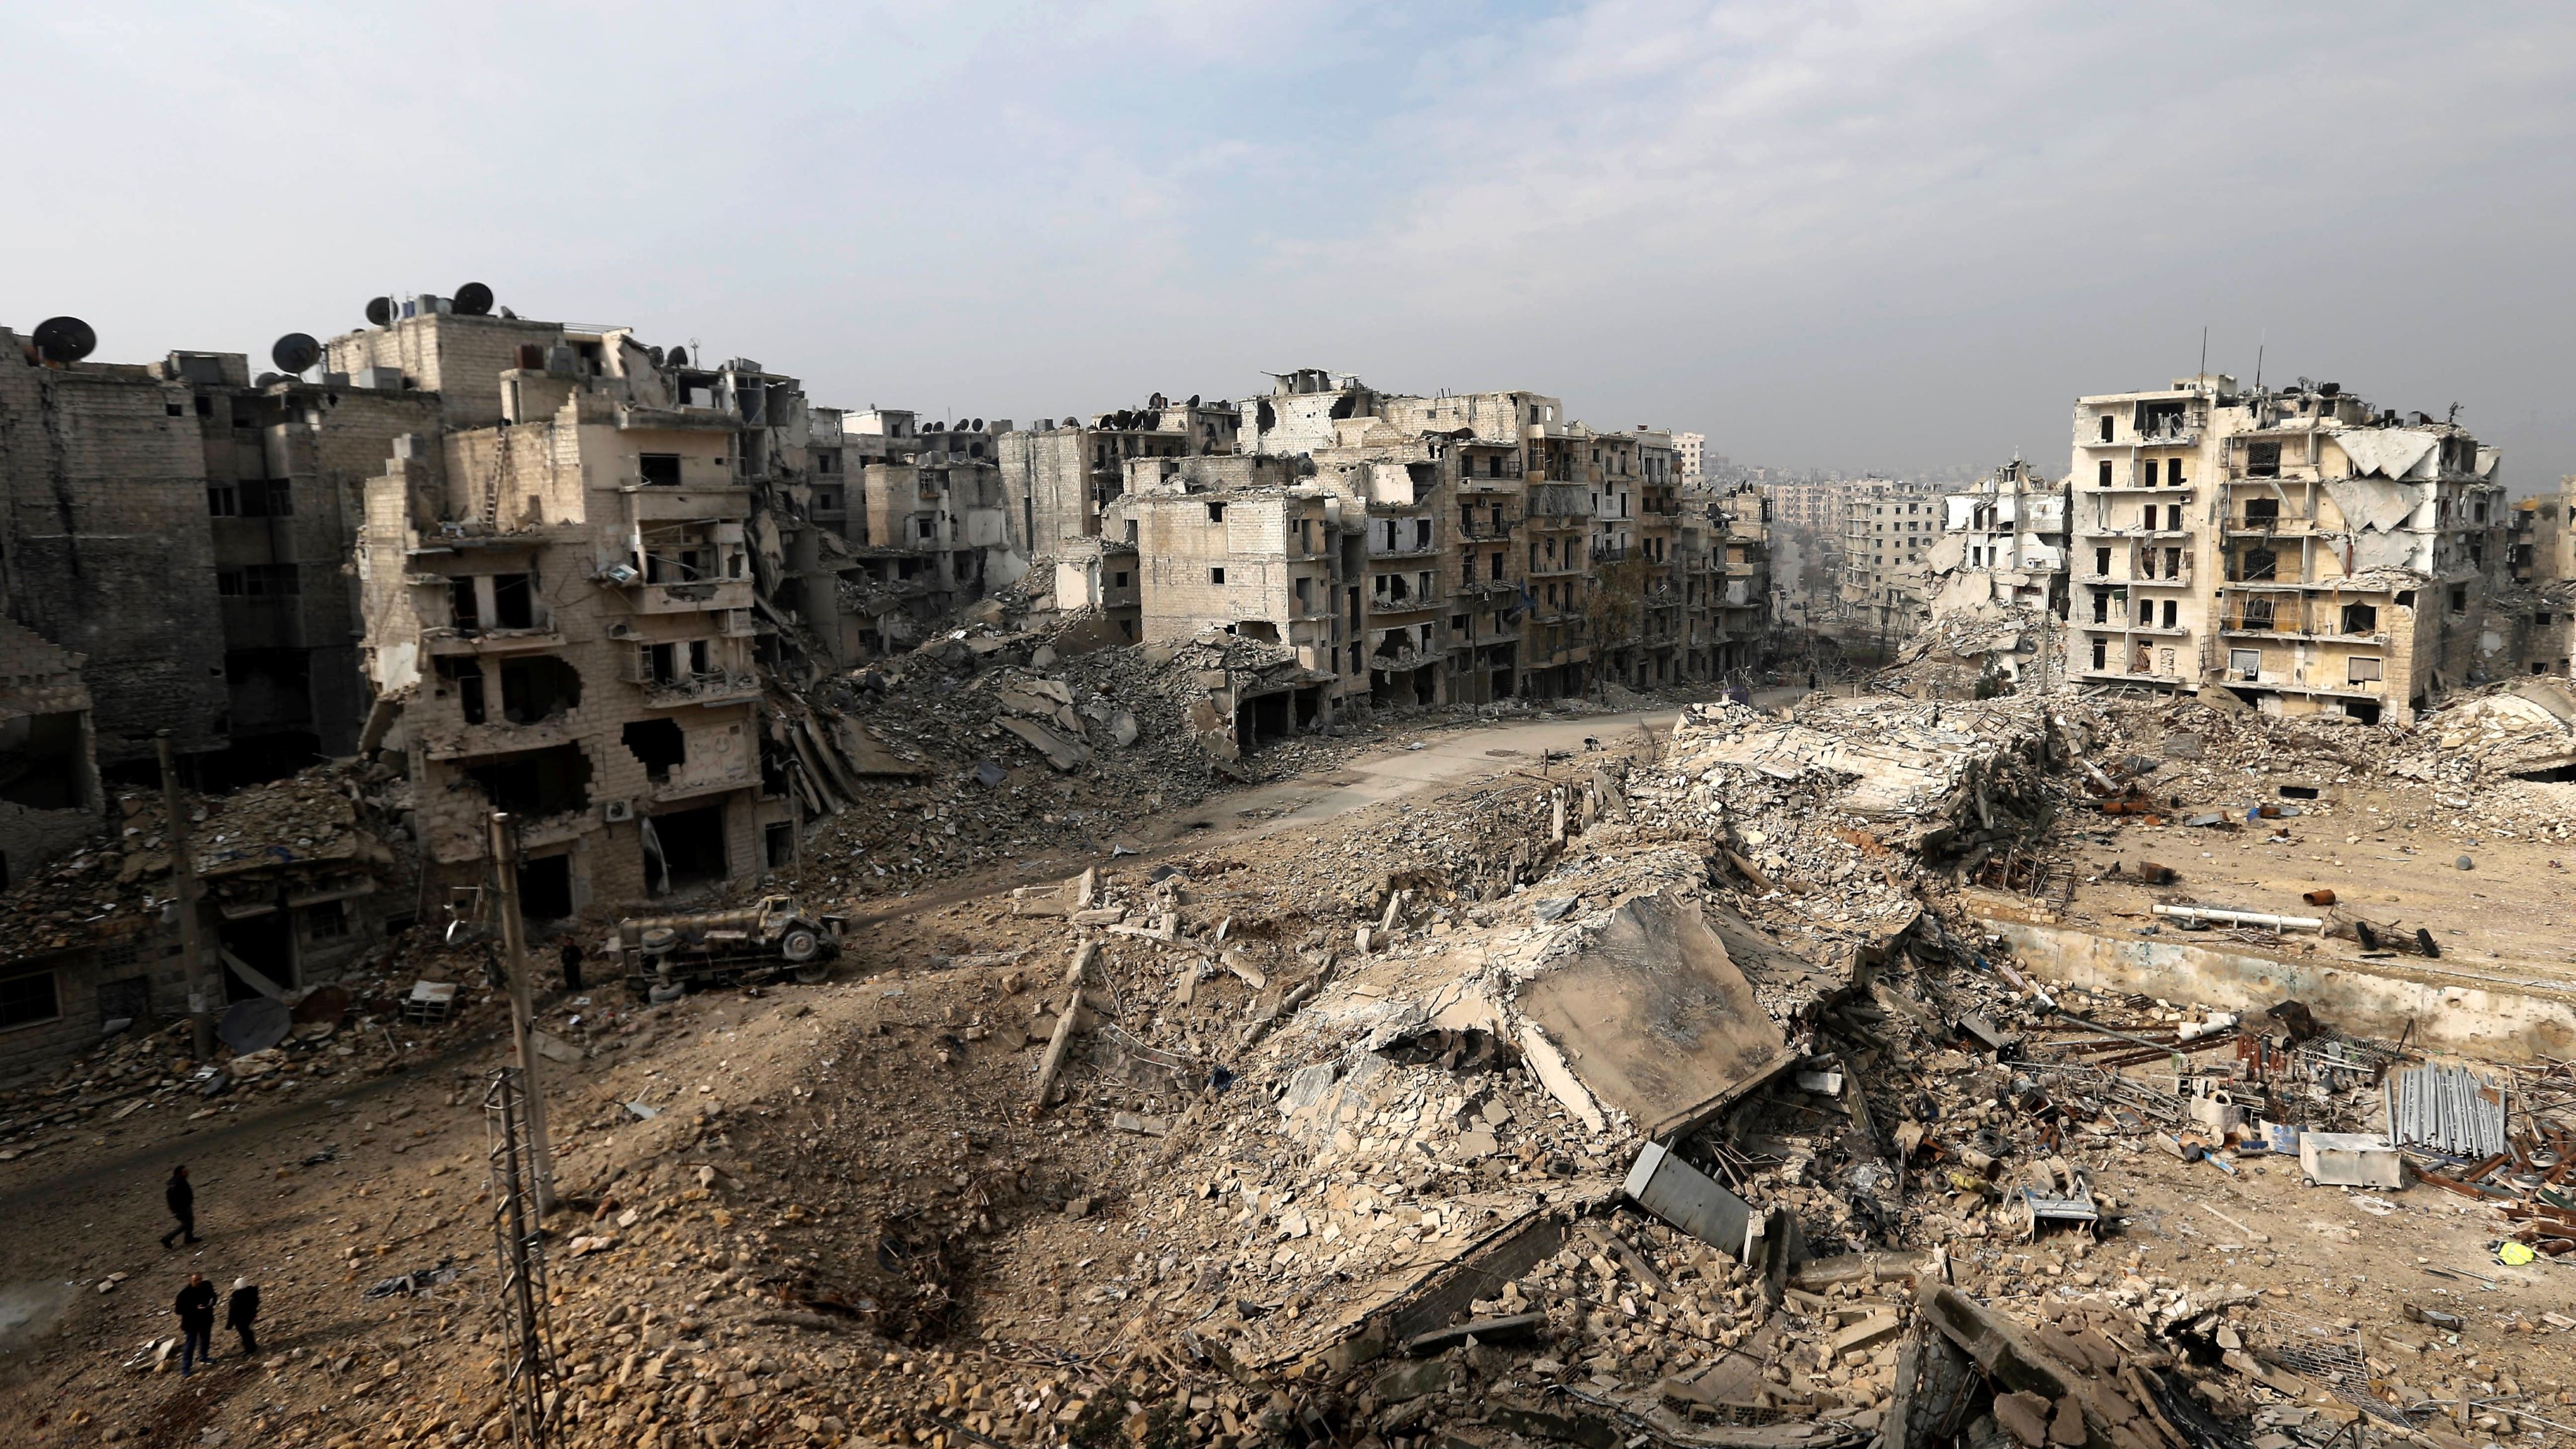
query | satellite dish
(1194,399)
(64,339)
(254,1025)
(472,300)
(267,379)
(295,352)
(653,355)
(380,311)
(976,427)
(679,357)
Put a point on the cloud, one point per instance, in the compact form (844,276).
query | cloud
(1841,234)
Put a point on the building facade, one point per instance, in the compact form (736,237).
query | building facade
(1887,534)
(559,613)
(2296,546)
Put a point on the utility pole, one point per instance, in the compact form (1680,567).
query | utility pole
(514,948)
(532,1381)
(183,876)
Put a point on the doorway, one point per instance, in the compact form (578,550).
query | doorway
(264,944)
(693,846)
(545,888)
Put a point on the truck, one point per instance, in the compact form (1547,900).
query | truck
(662,957)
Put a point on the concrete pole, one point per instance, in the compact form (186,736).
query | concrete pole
(514,948)
(183,876)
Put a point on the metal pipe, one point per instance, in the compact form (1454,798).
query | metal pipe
(2242,918)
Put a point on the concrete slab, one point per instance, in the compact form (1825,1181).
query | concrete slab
(1656,1019)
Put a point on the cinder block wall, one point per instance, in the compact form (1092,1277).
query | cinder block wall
(104,475)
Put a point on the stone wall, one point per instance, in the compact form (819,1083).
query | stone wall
(105,548)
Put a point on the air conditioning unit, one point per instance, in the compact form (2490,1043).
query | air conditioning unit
(619,810)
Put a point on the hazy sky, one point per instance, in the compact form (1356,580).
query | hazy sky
(1827,235)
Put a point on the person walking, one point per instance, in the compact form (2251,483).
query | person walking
(241,1311)
(183,1205)
(571,956)
(196,1310)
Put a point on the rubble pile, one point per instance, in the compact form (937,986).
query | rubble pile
(2468,766)
(139,1080)
(1972,650)
(1005,758)
(1664,1094)
(330,819)
(1954,785)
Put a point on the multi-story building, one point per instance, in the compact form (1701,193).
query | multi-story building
(560,604)
(2003,541)
(2542,552)
(1886,535)
(283,461)
(104,546)
(1061,479)
(1477,444)
(1691,449)
(1247,545)
(1724,572)
(2294,545)
(1399,487)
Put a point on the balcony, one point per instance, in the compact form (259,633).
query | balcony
(2258,526)
(2183,489)
(679,786)
(699,597)
(667,503)
(701,690)
(2115,626)
(1414,604)
(1397,661)
(451,640)
(1488,532)
(2175,434)
(2109,675)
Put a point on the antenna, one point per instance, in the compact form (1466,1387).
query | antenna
(2204,352)
(2259,338)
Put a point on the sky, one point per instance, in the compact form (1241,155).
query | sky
(1852,236)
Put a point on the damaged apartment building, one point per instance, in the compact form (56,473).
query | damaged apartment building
(921,517)
(2296,546)
(142,503)
(1062,478)
(563,590)
(1457,548)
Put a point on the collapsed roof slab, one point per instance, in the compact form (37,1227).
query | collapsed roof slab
(1657,1019)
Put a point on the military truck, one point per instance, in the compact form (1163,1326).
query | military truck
(663,956)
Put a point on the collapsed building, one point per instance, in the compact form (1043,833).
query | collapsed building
(1997,577)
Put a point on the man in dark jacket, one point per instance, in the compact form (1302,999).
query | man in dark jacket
(183,1206)
(571,957)
(241,1311)
(196,1310)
